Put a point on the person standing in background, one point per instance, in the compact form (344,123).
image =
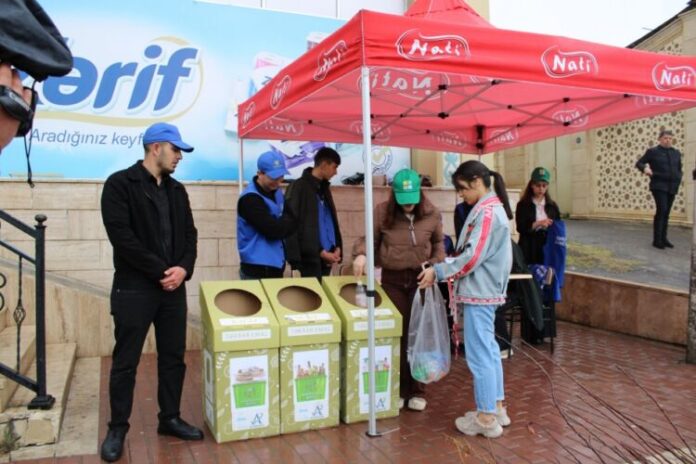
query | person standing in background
(662,163)
(317,244)
(534,214)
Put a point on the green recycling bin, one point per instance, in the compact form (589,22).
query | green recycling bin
(355,399)
(310,331)
(240,361)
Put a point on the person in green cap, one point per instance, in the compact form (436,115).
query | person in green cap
(534,214)
(408,238)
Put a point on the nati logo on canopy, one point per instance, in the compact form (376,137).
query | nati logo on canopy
(411,85)
(280,90)
(452,139)
(284,126)
(560,64)
(668,78)
(162,83)
(573,116)
(505,136)
(414,45)
(378,135)
(330,58)
(248,113)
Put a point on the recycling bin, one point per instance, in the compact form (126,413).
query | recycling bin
(240,361)
(310,332)
(355,400)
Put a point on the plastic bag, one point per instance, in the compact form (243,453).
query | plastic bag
(428,337)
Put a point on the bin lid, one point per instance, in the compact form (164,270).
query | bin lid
(236,315)
(304,312)
(342,292)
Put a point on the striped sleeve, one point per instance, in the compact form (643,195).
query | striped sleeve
(474,250)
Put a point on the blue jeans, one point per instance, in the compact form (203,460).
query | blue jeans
(483,356)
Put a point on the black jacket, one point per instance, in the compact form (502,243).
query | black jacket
(132,224)
(666,166)
(532,242)
(303,246)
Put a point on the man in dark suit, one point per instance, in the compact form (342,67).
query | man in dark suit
(148,219)
(662,163)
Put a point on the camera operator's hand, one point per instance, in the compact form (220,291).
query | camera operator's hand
(8,125)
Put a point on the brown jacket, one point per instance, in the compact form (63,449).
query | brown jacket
(394,248)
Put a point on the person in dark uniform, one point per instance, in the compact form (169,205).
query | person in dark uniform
(148,219)
(263,221)
(662,163)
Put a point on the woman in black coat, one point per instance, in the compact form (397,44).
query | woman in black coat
(535,212)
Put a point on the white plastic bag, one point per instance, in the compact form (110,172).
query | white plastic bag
(428,337)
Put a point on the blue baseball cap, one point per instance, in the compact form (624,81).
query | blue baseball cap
(163,132)
(272,164)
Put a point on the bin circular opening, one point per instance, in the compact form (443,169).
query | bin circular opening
(347,292)
(237,302)
(299,299)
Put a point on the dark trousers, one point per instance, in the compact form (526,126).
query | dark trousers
(133,312)
(401,287)
(314,269)
(663,206)
(502,335)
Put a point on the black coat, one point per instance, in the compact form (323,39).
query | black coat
(666,166)
(532,242)
(132,224)
(303,245)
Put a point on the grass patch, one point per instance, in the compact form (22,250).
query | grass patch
(588,257)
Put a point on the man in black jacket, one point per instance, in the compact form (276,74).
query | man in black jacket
(664,166)
(148,219)
(316,245)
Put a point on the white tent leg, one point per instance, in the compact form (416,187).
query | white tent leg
(369,247)
(240,168)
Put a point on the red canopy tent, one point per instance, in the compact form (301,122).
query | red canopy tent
(442,78)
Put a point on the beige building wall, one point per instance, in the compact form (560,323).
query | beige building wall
(593,172)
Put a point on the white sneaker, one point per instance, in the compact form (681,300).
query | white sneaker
(401,403)
(501,416)
(417,403)
(470,425)
(504,354)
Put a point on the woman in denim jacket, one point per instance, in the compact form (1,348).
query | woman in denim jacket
(480,270)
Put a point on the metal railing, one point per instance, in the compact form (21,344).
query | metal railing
(42,400)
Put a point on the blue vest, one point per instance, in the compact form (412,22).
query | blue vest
(253,247)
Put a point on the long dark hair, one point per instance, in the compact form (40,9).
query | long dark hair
(470,170)
(393,208)
(528,194)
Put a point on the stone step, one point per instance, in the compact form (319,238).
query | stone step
(8,356)
(32,427)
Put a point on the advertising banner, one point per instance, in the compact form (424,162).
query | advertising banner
(184,62)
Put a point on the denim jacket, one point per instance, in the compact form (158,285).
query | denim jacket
(482,267)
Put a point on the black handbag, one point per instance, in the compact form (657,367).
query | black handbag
(30,41)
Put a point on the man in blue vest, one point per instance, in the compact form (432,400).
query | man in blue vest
(262,223)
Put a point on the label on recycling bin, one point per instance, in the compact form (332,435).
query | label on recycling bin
(314,329)
(362,313)
(234,321)
(310,377)
(239,335)
(308,317)
(383,366)
(249,392)
(361,326)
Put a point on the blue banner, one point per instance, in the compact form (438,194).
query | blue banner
(181,61)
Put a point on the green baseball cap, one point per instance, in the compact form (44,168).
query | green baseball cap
(540,174)
(406,185)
